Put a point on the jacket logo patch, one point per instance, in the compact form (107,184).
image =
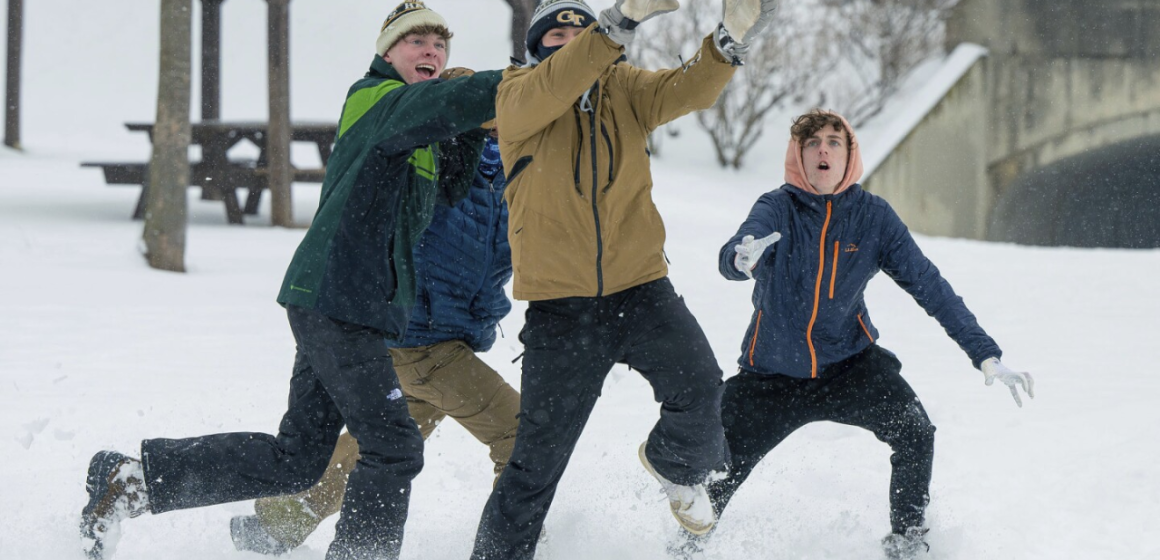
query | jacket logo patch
(850,248)
(570,17)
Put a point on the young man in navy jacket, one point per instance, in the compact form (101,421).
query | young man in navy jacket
(809,353)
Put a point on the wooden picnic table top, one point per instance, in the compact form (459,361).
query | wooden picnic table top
(208,130)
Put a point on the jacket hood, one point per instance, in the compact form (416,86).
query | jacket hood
(795,169)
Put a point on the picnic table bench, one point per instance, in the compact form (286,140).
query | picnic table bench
(216,174)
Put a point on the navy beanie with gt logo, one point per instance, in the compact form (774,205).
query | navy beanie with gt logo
(549,15)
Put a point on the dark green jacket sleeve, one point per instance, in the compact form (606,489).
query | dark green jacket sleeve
(427,112)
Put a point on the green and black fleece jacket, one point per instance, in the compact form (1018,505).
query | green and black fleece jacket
(400,149)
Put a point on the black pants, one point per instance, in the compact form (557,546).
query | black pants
(570,346)
(866,390)
(342,374)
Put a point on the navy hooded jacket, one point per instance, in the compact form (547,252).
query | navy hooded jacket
(462,263)
(809,310)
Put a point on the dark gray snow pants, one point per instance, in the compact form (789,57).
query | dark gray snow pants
(342,374)
(570,346)
(759,411)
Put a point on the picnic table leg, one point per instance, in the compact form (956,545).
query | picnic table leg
(139,211)
(233,210)
(253,200)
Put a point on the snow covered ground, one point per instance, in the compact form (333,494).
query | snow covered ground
(98,351)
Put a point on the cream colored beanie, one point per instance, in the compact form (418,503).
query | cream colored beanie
(403,19)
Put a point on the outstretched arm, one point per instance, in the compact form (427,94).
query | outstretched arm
(904,262)
(740,257)
(428,112)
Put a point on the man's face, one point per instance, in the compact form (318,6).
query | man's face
(418,58)
(824,155)
(560,36)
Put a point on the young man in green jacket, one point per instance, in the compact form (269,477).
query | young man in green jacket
(405,141)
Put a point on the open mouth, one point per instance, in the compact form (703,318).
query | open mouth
(824,166)
(427,71)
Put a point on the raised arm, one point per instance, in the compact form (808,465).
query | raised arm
(529,99)
(666,95)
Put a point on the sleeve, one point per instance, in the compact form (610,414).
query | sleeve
(761,222)
(666,95)
(904,262)
(458,160)
(421,114)
(529,100)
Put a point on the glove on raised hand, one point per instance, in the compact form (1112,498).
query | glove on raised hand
(749,252)
(994,369)
(620,21)
(642,10)
(741,22)
(455,72)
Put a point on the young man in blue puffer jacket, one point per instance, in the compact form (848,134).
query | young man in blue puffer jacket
(462,263)
(810,352)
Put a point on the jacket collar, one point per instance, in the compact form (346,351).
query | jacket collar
(816,203)
(384,70)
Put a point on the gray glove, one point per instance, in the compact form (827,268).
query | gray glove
(620,21)
(741,22)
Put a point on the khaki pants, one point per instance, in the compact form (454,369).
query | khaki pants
(440,380)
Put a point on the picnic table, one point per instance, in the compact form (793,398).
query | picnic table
(219,176)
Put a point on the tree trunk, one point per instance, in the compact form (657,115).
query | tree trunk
(211,59)
(12,95)
(521,18)
(278,134)
(165,211)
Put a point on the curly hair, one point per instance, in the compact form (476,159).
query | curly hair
(810,123)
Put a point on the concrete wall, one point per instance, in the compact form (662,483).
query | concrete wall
(1063,78)
(936,178)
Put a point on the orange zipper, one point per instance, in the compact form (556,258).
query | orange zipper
(864,329)
(753,343)
(834,270)
(818,293)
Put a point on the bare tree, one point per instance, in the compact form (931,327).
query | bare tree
(12,90)
(883,40)
(521,18)
(778,69)
(165,213)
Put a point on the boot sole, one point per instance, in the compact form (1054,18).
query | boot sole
(696,529)
(99,487)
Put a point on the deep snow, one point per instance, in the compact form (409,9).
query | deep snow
(98,351)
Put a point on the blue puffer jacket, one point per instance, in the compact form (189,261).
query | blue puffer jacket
(462,263)
(809,310)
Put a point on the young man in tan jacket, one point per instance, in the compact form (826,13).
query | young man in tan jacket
(587,250)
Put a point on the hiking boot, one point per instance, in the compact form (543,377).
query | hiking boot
(249,535)
(906,546)
(116,487)
(690,504)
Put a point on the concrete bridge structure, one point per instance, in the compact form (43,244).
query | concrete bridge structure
(1052,138)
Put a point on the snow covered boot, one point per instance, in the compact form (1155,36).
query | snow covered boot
(906,546)
(116,487)
(249,535)
(690,504)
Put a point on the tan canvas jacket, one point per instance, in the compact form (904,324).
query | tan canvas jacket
(582,220)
